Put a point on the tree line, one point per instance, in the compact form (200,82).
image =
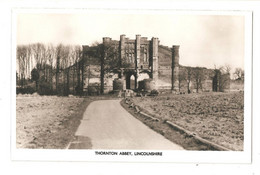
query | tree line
(60,69)
(43,65)
(196,76)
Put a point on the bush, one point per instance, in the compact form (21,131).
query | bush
(62,90)
(45,89)
(154,92)
(118,84)
(146,85)
(78,90)
(25,90)
(93,90)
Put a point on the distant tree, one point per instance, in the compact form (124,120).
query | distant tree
(221,79)
(51,55)
(189,77)
(58,60)
(198,76)
(76,56)
(63,54)
(108,58)
(35,77)
(225,69)
(21,59)
(111,61)
(181,78)
(239,74)
(225,77)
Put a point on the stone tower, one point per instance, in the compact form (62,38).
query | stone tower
(155,63)
(137,50)
(175,67)
(106,40)
(122,47)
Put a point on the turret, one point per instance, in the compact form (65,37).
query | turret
(155,45)
(175,53)
(137,50)
(122,47)
(175,66)
(106,40)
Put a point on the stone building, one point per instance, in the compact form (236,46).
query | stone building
(147,59)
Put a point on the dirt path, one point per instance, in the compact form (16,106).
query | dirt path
(107,125)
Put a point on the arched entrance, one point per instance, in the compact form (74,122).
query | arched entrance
(131,81)
(132,78)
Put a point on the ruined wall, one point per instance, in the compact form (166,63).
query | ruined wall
(164,67)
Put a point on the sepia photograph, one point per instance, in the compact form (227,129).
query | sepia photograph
(132,83)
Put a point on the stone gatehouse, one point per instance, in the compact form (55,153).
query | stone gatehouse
(148,59)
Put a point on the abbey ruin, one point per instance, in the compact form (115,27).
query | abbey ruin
(147,59)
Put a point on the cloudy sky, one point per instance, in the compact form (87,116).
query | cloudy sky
(205,40)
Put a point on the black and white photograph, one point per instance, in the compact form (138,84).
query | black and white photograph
(145,85)
(130,81)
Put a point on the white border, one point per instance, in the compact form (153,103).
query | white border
(168,156)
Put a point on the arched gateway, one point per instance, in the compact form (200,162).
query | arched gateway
(144,59)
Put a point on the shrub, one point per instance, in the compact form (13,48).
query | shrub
(45,89)
(118,84)
(146,85)
(78,90)
(154,92)
(93,90)
(62,90)
(25,90)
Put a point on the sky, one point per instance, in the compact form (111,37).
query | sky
(205,40)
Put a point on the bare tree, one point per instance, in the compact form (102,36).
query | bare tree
(37,52)
(239,74)
(107,55)
(189,77)
(226,69)
(221,79)
(58,60)
(75,58)
(51,55)
(47,59)
(181,78)
(63,53)
(198,77)
(21,57)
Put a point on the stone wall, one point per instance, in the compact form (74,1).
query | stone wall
(156,60)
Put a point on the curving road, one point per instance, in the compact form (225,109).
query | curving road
(108,125)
